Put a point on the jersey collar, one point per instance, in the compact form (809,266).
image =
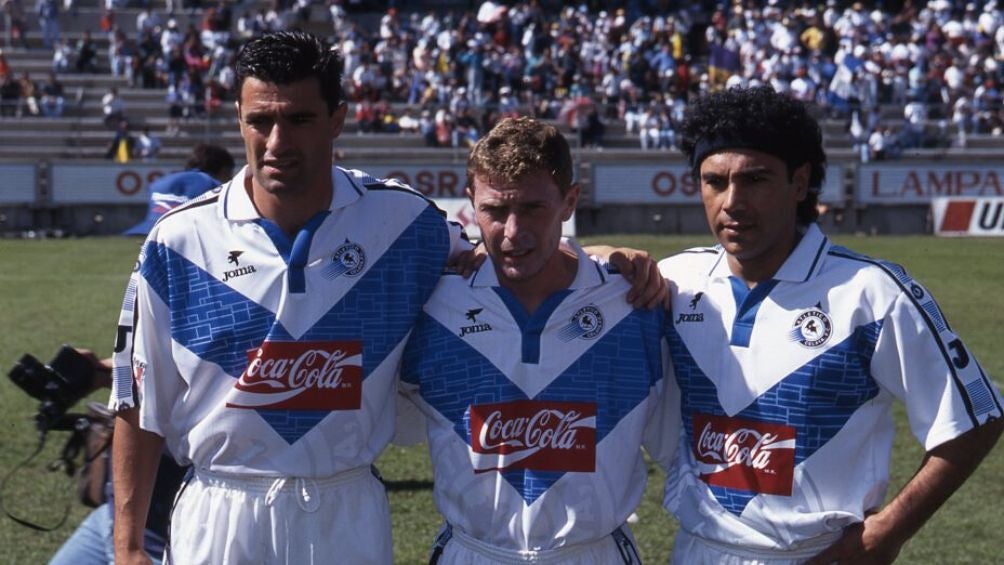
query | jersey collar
(238,207)
(804,262)
(588,274)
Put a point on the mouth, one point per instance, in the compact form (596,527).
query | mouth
(735,228)
(278,166)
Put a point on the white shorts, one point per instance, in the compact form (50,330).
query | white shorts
(454,547)
(692,550)
(222,519)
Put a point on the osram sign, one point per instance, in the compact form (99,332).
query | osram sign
(968,216)
(673,184)
(444,184)
(920,184)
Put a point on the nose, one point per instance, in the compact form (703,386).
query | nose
(734,198)
(512,225)
(277,138)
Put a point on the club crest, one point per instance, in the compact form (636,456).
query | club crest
(812,328)
(348,260)
(587,323)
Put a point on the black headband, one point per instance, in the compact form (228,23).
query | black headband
(708,145)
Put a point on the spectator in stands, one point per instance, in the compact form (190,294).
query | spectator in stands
(13,16)
(10,95)
(52,97)
(4,65)
(648,127)
(48,20)
(147,145)
(170,37)
(427,128)
(175,110)
(149,62)
(912,135)
(113,108)
(877,144)
(193,94)
(62,53)
(147,22)
(86,54)
(107,23)
(123,145)
(29,96)
(593,131)
(407,123)
(667,129)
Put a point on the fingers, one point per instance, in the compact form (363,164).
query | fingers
(469,261)
(648,288)
(847,548)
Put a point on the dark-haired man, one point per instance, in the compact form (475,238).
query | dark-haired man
(789,352)
(269,321)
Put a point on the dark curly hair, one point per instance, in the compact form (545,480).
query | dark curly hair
(286,57)
(761,119)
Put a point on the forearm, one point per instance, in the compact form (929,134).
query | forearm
(135,455)
(943,470)
(881,536)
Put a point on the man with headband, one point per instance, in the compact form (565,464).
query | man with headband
(789,352)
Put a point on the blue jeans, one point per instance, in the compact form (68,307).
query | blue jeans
(91,543)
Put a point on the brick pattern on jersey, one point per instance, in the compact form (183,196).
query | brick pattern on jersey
(219,325)
(616,373)
(817,399)
(210,319)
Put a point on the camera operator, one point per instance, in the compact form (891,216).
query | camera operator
(91,541)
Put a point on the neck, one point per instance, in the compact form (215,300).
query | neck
(765,266)
(289,211)
(532,292)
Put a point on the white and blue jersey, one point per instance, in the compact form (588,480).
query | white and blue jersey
(787,389)
(259,354)
(535,421)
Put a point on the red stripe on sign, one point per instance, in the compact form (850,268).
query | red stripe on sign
(958,214)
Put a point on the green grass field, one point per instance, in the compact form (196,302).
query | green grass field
(58,291)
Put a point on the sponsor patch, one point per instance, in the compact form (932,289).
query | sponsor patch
(744,454)
(533,434)
(301,375)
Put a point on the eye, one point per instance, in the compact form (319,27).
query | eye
(714,183)
(258,123)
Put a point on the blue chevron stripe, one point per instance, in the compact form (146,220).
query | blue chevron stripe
(219,325)
(210,319)
(616,373)
(817,399)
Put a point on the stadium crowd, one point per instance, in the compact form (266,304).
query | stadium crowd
(635,63)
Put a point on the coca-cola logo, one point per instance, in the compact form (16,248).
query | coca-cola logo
(744,454)
(532,434)
(301,375)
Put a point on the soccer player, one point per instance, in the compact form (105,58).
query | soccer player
(789,352)
(269,321)
(538,381)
